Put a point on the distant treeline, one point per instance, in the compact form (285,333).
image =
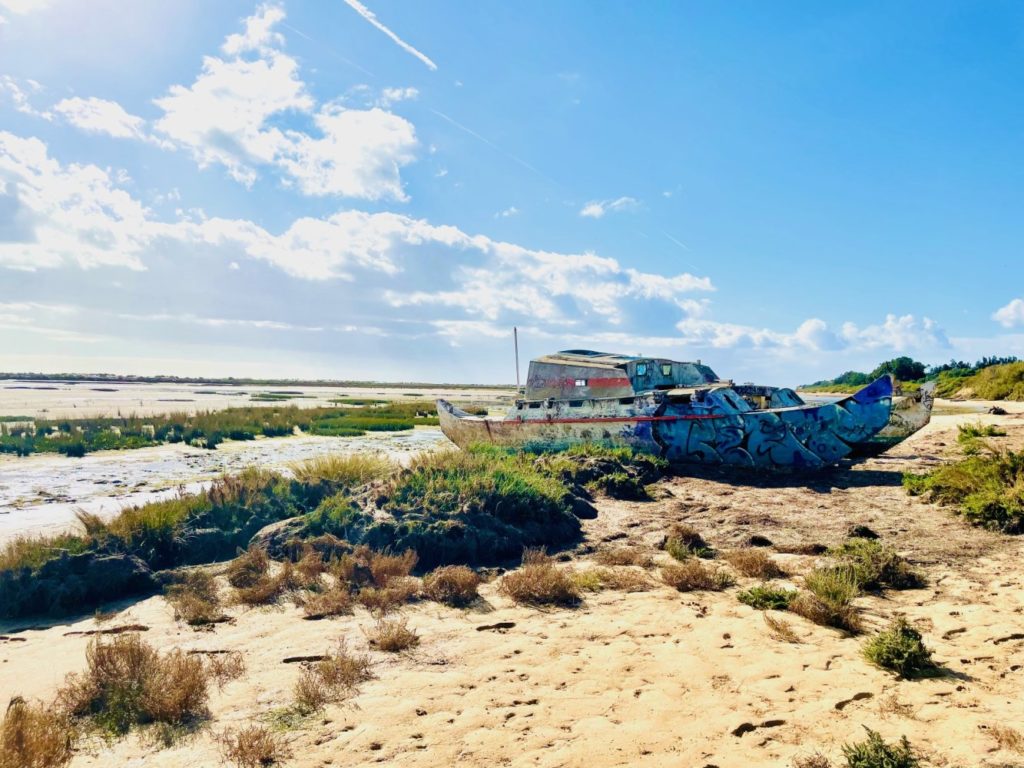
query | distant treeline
(231,381)
(990,378)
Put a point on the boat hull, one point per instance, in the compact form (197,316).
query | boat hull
(796,437)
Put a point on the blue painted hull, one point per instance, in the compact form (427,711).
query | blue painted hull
(714,431)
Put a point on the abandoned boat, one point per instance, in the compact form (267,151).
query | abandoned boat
(684,412)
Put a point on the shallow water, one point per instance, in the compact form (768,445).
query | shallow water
(39,494)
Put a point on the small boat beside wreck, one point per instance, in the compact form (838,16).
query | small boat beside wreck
(684,412)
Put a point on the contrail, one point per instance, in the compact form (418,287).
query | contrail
(329,48)
(371,17)
(492,145)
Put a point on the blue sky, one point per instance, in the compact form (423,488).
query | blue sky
(383,189)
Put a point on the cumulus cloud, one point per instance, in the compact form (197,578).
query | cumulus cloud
(232,114)
(904,333)
(390,96)
(101,116)
(51,215)
(595,209)
(1011,315)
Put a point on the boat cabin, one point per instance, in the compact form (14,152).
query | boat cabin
(584,374)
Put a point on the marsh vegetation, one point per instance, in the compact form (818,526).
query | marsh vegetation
(76,437)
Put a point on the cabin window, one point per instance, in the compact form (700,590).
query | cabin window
(534,405)
(666,369)
(641,369)
(625,401)
(575,403)
(581,382)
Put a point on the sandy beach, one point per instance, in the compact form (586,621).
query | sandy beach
(648,678)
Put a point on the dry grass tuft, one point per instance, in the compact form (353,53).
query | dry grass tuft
(624,579)
(269,589)
(540,582)
(195,599)
(336,601)
(384,567)
(311,565)
(393,635)
(127,682)
(813,608)
(623,556)
(34,736)
(331,679)
(755,563)
(816,760)
(1007,738)
(248,569)
(891,705)
(253,747)
(781,630)
(454,585)
(225,667)
(693,575)
(828,601)
(382,600)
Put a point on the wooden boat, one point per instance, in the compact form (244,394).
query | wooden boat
(684,412)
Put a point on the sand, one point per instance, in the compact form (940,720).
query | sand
(655,678)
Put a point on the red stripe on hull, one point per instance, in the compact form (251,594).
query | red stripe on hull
(612,418)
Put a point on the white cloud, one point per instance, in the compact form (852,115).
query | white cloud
(507,213)
(371,17)
(259,34)
(904,333)
(19,98)
(391,96)
(1011,315)
(897,334)
(360,154)
(231,116)
(73,214)
(595,209)
(101,116)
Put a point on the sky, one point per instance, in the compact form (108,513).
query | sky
(382,190)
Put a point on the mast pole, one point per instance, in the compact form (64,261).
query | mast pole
(515,337)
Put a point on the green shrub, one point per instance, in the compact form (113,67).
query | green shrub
(765,597)
(828,599)
(873,752)
(899,648)
(683,542)
(875,565)
(968,432)
(470,507)
(987,489)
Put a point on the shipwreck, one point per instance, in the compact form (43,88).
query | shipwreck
(684,412)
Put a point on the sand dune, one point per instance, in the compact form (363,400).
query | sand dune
(641,679)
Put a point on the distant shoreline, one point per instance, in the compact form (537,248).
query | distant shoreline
(115,378)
